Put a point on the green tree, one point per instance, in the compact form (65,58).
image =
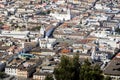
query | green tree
(68,69)
(84,71)
(89,72)
(71,69)
(2,75)
(64,70)
(49,77)
(1,23)
(76,67)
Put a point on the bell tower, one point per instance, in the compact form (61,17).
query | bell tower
(42,31)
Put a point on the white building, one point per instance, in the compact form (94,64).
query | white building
(11,70)
(100,55)
(12,67)
(42,31)
(74,1)
(108,42)
(15,34)
(46,42)
(60,2)
(62,16)
(101,34)
(3,1)
(47,52)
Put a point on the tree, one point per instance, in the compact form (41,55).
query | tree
(68,69)
(64,71)
(2,75)
(71,69)
(84,71)
(1,23)
(89,72)
(76,67)
(49,77)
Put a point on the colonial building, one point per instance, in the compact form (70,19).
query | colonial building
(46,42)
(66,15)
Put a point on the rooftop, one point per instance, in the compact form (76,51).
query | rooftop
(113,68)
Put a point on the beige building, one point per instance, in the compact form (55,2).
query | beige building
(39,76)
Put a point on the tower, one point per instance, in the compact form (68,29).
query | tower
(23,45)
(93,53)
(42,31)
(69,13)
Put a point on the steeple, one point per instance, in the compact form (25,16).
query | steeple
(42,31)
(69,13)
(23,45)
(93,53)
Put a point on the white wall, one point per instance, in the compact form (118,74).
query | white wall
(11,71)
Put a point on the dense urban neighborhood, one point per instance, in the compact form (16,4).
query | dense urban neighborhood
(59,39)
